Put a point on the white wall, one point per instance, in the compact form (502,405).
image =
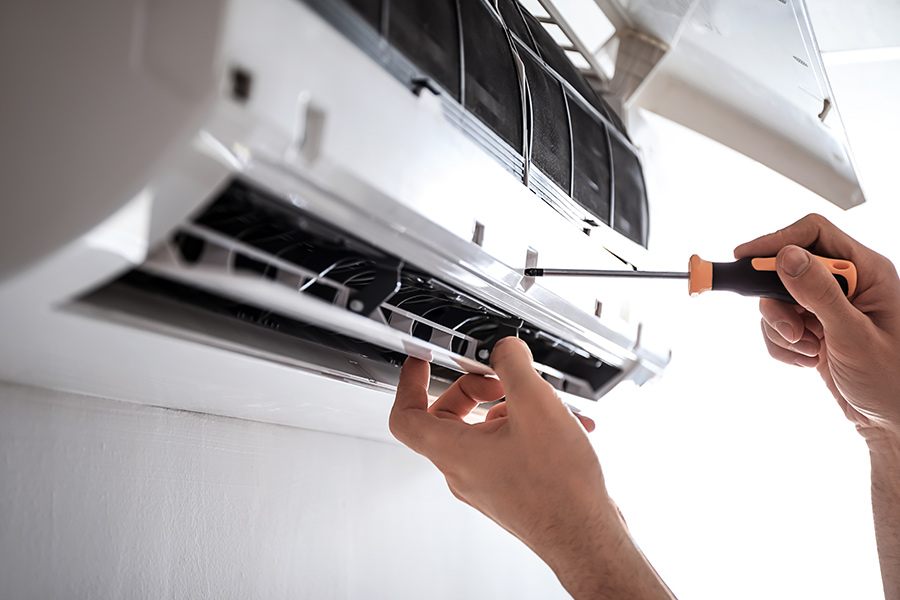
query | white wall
(102,499)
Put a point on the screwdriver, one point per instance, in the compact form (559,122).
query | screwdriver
(746,276)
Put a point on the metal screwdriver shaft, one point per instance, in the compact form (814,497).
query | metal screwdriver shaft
(600,273)
(746,276)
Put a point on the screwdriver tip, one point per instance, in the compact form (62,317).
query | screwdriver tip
(533,272)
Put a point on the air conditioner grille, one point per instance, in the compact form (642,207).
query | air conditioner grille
(249,234)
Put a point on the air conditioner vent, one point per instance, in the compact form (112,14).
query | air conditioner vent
(253,258)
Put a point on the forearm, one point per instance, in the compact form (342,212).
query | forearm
(606,564)
(885,456)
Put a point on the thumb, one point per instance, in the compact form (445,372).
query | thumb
(511,360)
(814,287)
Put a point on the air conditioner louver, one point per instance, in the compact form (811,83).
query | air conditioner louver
(246,244)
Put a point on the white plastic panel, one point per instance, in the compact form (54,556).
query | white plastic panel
(749,74)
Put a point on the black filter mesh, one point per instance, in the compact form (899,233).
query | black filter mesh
(556,58)
(427,32)
(617,122)
(370,10)
(591,181)
(512,17)
(551,150)
(631,218)
(492,85)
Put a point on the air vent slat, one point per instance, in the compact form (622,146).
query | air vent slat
(261,261)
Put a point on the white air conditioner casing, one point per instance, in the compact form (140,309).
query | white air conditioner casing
(264,94)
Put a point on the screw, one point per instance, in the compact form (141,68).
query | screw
(484,354)
(241,84)
(357,305)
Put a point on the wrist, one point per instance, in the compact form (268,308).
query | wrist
(585,543)
(606,563)
(884,454)
(883,443)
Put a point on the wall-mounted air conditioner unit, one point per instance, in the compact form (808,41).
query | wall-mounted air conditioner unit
(257,208)
(334,186)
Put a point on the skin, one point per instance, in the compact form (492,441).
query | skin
(853,343)
(531,468)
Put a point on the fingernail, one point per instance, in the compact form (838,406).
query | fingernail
(510,340)
(785,329)
(806,361)
(806,348)
(794,261)
(503,341)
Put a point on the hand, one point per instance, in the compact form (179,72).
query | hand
(854,343)
(529,466)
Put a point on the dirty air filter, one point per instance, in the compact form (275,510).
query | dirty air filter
(592,183)
(461,51)
(493,90)
(428,33)
(512,17)
(556,59)
(550,146)
(630,204)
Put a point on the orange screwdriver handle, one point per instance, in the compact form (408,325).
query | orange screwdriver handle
(757,277)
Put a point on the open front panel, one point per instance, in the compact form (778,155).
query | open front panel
(247,243)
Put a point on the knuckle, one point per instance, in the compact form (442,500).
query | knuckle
(773,311)
(780,354)
(455,491)
(817,220)
(884,264)
(773,337)
(395,427)
(543,387)
(827,294)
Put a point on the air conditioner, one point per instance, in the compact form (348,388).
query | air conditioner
(258,208)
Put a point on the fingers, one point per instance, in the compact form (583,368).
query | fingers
(412,390)
(807,345)
(792,334)
(814,287)
(785,318)
(501,410)
(498,411)
(465,394)
(512,362)
(812,231)
(781,350)
(586,422)
(409,421)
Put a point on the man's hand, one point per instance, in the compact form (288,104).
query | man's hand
(530,468)
(854,343)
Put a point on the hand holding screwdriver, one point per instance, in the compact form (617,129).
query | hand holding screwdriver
(854,345)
